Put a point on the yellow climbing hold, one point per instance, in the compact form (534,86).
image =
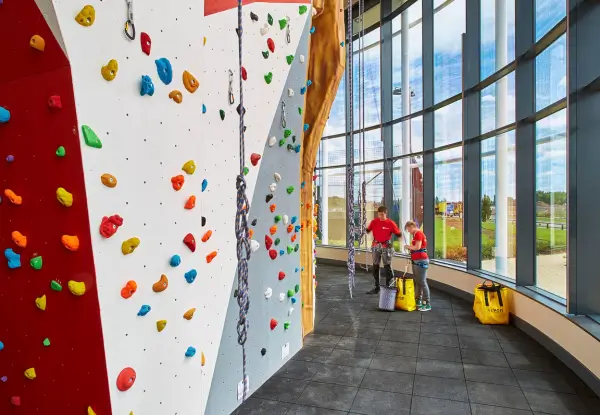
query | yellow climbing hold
(30,373)
(109,72)
(86,16)
(128,246)
(160,325)
(203,359)
(204,41)
(189,314)
(76,288)
(40,302)
(91,411)
(65,198)
(189,167)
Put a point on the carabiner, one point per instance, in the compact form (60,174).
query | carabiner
(129,22)
(231,97)
(287,31)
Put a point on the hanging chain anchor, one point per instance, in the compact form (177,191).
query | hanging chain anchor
(231,97)
(283,115)
(129,22)
(288,39)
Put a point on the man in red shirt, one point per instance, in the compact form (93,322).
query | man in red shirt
(383,228)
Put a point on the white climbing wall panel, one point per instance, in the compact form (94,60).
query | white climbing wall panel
(146,140)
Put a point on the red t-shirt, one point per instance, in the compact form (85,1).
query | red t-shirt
(383,230)
(419,236)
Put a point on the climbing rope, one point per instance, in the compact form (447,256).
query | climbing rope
(350,162)
(241,225)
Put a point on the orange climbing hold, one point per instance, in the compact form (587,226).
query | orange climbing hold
(202,360)
(190,82)
(293,238)
(191,202)
(13,197)
(290,228)
(273,207)
(19,239)
(37,42)
(161,285)
(206,236)
(177,182)
(188,315)
(129,289)
(211,256)
(108,180)
(70,242)
(308,205)
(176,96)
(250,233)
(273,229)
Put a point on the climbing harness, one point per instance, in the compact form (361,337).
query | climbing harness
(241,224)
(129,22)
(350,162)
(283,115)
(231,97)
(288,39)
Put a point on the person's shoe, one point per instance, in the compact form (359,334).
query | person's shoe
(425,307)
(374,291)
(419,303)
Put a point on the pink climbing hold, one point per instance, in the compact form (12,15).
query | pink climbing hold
(254,158)
(244,74)
(15,400)
(271,45)
(146,43)
(54,102)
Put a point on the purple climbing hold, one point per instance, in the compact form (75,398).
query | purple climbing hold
(10,158)
(4,379)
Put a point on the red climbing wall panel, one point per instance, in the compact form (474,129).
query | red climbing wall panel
(71,372)
(216,6)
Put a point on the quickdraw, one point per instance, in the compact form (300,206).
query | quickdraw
(231,97)
(129,23)
(288,38)
(283,115)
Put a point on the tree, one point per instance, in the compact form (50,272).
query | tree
(486,208)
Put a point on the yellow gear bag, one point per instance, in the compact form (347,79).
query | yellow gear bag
(491,303)
(405,299)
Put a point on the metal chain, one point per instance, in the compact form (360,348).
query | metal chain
(350,163)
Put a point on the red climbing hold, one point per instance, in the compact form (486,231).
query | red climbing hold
(281,275)
(273,324)
(177,182)
(271,45)
(126,379)
(268,242)
(54,102)
(254,158)
(273,253)
(244,74)
(146,43)
(15,400)
(190,242)
(110,225)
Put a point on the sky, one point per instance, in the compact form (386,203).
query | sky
(449,24)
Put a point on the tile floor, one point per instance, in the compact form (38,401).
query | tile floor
(363,361)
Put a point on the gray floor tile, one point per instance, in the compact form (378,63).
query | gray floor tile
(332,328)
(358,343)
(448,340)
(328,396)
(403,325)
(555,403)
(440,369)
(313,354)
(405,316)
(483,357)
(509,333)
(477,343)
(431,317)
(478,409)
(553,382)
(529,348)
(400,336)
(281,389)
(371,402)
(321,340)
(340,375)
(394,363)
(397,348)
(312,410)
(532,362)
(433,406)
(438,328)
(370,322)
(298,369)
(388,381)
(364,332)
(449,354)
(497,395)
(349,358)
(490,374)
(443,388)
(255,406)
(470,331)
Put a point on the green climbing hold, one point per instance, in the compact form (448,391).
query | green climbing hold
(246,171)
(270,19)
(269,77)
(282,142)
(60,152)
(302,9)
(297,288)
(36,262)
(46,342)
(290,249)
(265,54)
(282,23)
(277,218)
(222,114)
(286,325)
(55,285)
(300,110)
(287,133)
(290,293)
(296,247)
(277,241)
(290,190)
(90,137)
(289,59)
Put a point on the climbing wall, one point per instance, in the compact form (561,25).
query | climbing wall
(150,136)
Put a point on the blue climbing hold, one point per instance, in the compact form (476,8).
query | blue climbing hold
(14,259)
(281,252)
(203,109)
(294,300)
(302,268)
(190,352)
(302,185)
(296,270)
(294,219)
(342,43)
(145,309)
(191,275)
(175,260)
(303,90)
(308,83)
(147,86)
(204,184)
(312,30)
(4,115)
(306,127)
(1,345)
(297,228)
(165,70)
(297,148)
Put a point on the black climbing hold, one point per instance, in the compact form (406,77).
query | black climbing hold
(290,147)
(253,17)
(293,139)
(235,293)
(239,108)
(265,54)
(245,126)
(269,197)
(203,221)
(254,222)
(263,351)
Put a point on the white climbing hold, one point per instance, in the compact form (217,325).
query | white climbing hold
(277,177)
(290,92)
(268,293)
(290,311)
(281,297)
(272,187)
(286,219)
(264,30)
(254,245)
(314,11)
(272,141)
(301,58)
